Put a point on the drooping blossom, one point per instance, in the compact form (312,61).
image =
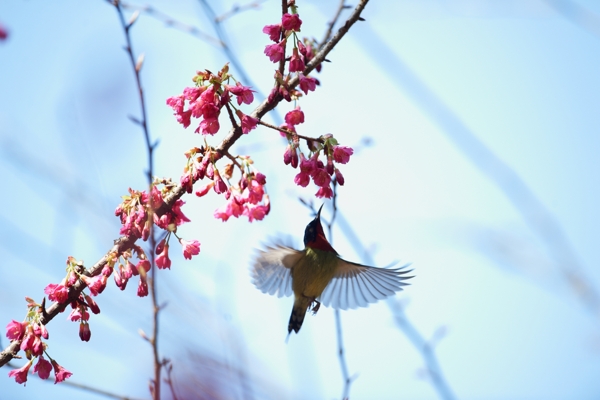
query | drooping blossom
(341,154)
(291,22)
(294,117)
(274,32)
(242,93)
(15,330)
(43,367)
(162,259)
(20,374)
(60,373)
(190,248)
(276,51)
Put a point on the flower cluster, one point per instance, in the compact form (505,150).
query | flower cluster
(245,197)
(30,333)
(302,52)
(206,99)
(134,212)
(312,167)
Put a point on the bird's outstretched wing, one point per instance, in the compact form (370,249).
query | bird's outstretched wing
(271,270)
(355,285)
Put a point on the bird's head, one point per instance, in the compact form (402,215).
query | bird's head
(314,236)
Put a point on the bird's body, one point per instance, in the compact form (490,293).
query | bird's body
(318,272)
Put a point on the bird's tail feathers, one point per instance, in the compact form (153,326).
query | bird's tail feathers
(298,313)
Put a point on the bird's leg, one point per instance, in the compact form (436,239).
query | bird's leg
(314,306)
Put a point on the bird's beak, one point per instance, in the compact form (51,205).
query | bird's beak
(319,212)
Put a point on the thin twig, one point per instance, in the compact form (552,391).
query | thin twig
(289,132)
(173,23)
(410,331)
(338,318)
(137,66)
(238,9)
(341,7)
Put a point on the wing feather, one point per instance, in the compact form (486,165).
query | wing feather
(271,269)
(355,285)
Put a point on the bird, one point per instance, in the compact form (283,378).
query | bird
(318,275)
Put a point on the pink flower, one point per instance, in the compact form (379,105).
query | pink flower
(43,368)
(79,314)
(294,117)
(341,154)
(274,32)
(15,330)
(96,284)
(257,212)
(339,177)
(205,189)
(58,293)
(290,156)
(243,93)
(291,22)
(190,248)
(120,280)
(324,192)
(37,348)
(220,186)
(60,373)
(192,93)
(27,342)
(275,51)
(129,270)
(321,178)
(142,264)
(20,374)
(92,304)
(307,84)
(308,166)
(254,213)
(208,126)
(84,332)
(253,194)
(142,290)
(302,179)
(162,260)
(180,218)
(232,208)
(40,330)
(248,122)
(260,178)
(296,62)
(3,33)
(177,103)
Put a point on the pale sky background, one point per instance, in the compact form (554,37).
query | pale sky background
(522,76)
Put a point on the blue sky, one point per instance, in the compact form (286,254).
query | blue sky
(419,79)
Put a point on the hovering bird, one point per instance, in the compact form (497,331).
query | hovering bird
(318,275)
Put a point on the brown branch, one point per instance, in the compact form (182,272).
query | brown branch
(341,7)
(125,243)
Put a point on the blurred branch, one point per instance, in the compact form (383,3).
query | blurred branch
(226,48)
(173,23)
(236,9)
(577,14)
(137,67)
(534,213)
(76,385)
(338,318)
(426,348)
(409,330)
